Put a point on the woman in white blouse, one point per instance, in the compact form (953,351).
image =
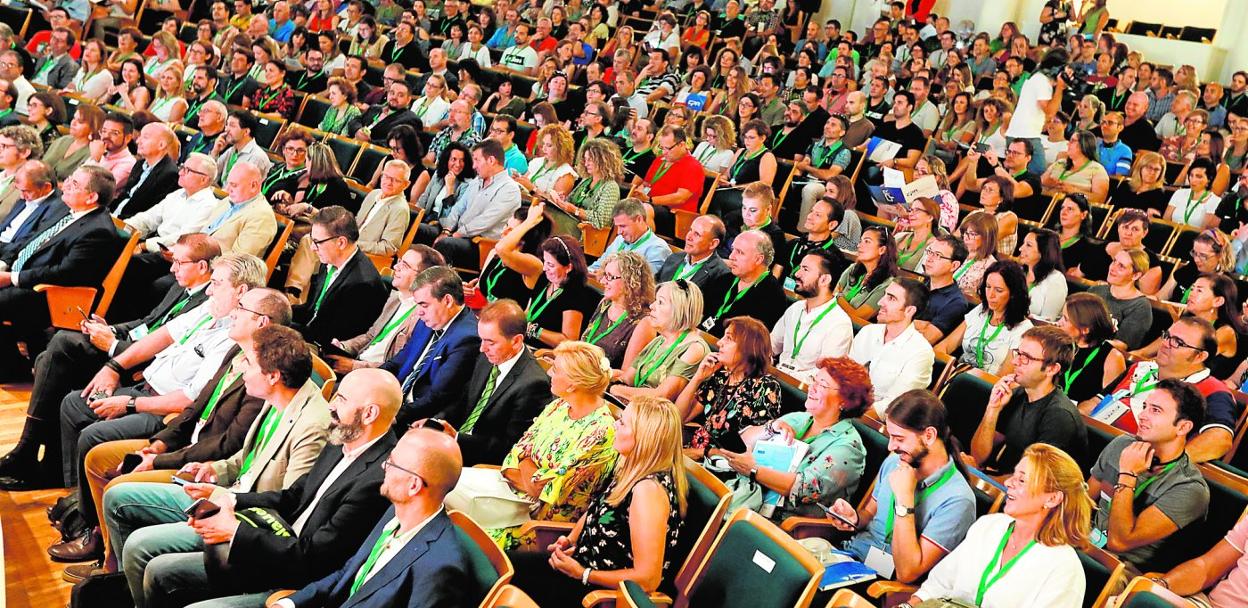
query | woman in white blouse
(1041,254)
(1023,557)
(93,80)
(170,102)
(994,327)
(718,145)
(551,169)
(1196,205)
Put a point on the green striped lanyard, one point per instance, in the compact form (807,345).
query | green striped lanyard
(276,177)
(963,269)
(493,277)
(853,291)
(642,375)
(687,270)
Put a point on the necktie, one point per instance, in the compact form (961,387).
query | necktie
(24,255)
(486,393)
(420,363)
(329,276)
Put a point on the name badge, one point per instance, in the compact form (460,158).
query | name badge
(1098,538)
(708,324)
(138,332)
(790,284)
(881,562)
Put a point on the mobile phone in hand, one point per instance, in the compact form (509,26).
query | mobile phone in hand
(202,509)
(837,516)
(131,461)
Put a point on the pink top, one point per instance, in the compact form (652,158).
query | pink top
(119,164)
(1233,590)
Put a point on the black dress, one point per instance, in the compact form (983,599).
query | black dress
(499,282)
(1083,379)
(548,314)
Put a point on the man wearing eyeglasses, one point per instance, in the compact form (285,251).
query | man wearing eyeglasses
(503,130)
(39,207)
(11,68)
(211,121)
(244,221)
(1185,348)
(1027,407)
(346,293)
(946,304)
(1114,155)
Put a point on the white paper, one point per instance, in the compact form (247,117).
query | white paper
(764,562)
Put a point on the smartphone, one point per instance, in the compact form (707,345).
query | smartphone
(180,481)
(981,147)
(130,461)
(85,316)
(202,509)
(837,516)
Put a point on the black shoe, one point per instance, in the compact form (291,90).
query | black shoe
(63,504)
(19,461)
(28,481)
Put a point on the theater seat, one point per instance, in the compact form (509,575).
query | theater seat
(753,564)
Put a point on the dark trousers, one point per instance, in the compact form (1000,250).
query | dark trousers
(27,312)
(139,291)
(82,430)
(67,364)
(459,252)
(547,586)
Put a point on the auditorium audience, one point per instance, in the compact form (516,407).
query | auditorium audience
(1087,320)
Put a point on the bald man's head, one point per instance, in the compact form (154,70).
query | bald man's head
(366,403)
(434,457)
(243,182)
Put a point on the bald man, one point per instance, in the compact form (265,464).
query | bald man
(1138,133)
(427,566)
(244,221)
(154,177)
(330,510)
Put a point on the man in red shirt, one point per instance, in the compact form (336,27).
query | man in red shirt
(674,180)
(542,41)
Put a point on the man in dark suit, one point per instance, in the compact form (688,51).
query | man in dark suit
(507,391)
(154,178)
(438,360)
(346,293)
(330,511)
(39,208)
(699,263)
(375,125)
(78,250)
(429,565)
(73,356)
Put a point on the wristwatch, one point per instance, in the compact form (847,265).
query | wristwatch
(131,408)
(902,510)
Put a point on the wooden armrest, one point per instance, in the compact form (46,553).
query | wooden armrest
(809,527)
(545,532)
(64,303)
(487,466)
(880,588)
(1140,585)
(607,598)
(280,594)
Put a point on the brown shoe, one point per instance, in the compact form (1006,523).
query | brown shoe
(77,572)
(86,548)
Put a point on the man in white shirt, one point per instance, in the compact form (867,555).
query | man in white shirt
(1038,100)
(925,113)
(895,353)
(11,70)
(490,200)
(816,327)
(183,211)
(521,57)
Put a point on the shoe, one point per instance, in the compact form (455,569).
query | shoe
(86,548)
(57,511)
(27,481)
(18,462)
(77,572)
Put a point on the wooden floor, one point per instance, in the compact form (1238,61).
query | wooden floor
(31,579)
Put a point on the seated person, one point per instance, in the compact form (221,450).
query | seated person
(1212,251)
(507,390)
(754,291)
(757,202)
(902,131)
(1133,315)
(1185,348)
(447,184)
(946,304)
(699,263)
(898,356)
(862,285)
(626,531)
(820,226)
(816,313)
(1079,171)
(594,197)
(1023,185)
(979,233)
(1144,189)
(922,505)
(1096,362)
(1041,255)
(674,179)
(669,361)
(996,195)
(1076,234)
(1128,232)
(561,299)
(633,233)
(1196,205)
(620,325)
(731,389)
(1214,579)
(922,225)
(1003,308)
(423,468)
(828,157)
(1147,487)
(566,457)
(482,211)
(497,280)
(347,292)
(1044,520)
(438,358)
(833,466)
(1026,407)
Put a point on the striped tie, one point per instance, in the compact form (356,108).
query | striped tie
(24,255)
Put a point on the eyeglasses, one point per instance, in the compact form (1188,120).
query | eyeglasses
(389,464)
(1174,341)
(316,243)
(295,149)
(245,309)
(1023,358)
(607,278)
(932,253)
(186,169)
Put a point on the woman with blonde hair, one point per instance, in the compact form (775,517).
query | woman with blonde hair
(170,104)
(627,531)
(594,196)
(621,324)
(718,145)
(979,234)
(623,40)
(551,168)
(93,79)
(668,362)
(566,457)
(166,49)
(1024,556)
(1132,313)
(1144,188)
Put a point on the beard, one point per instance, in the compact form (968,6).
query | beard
(342,432)
(806,291)
(915,458)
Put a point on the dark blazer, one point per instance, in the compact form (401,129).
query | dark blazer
(260,560)
(439,383)
(78,256)
(62,73)
(517,399)
(431,571)
(171,299)
(234,90)
(224,432)
(49,212)
(137,197)
(353,300)
(379,133)
(711,274)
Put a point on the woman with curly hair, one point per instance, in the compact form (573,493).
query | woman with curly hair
(551,169)
(621,324)
(594,196)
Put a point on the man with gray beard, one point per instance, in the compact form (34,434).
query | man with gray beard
(327,513)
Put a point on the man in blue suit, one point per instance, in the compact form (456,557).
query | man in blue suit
(437,362)
(413,557)
(39,208)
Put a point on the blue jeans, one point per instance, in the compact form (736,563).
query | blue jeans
(1036,166)
(146,520)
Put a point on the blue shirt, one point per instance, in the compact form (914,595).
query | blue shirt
(1116,157)
(281,33)
(503,38)
(946,308)
(649,246)
(943,517)
(513,158)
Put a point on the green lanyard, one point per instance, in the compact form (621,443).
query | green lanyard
(592,336)
(1189,209)
(710,152)
(805,246)
(1142,385)
(639,242)
(664,167)
(173,312)
(853,291)
(1139,489)
(6,112)
(1071,374)
(1187,291)
(395,52)
(731,300)
(904,257)
(629,159)
(643,374)
(687,270)
(490,281)
(279,175)
(47,67)
(329,277)
(546,168)
(303,78)
(379,547)
(779,138)
(1062,177)
(583,191)
(979,348)
(270,98)
(262,438)
(740,164)
(828,152)
(1071,241)
(1114,97)
(226,380)
(797,327)
(335,120)
(538,303)
(424,107)
(229,164)
(390,327)
(201,323)
(985,582)
(963,269)
(892,501)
